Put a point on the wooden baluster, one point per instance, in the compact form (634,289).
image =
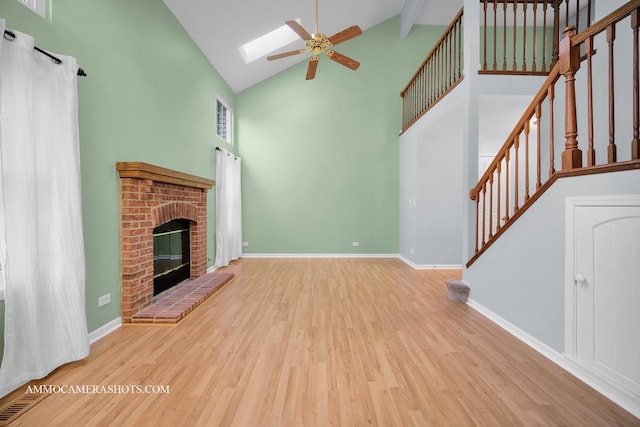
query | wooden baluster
(432,67)
(516,192)
(449,61)
(476,198)
(506,184)
(535,34)
(437,67)
(484,41)
(418,97)
(544,36)
(527,130)
(404,112)
(611,149)
(515,45)
(484,211)
(420,93)
(495,35)
(456,54)
(591,152)
(524,37)
(551,93)
(538,141)
(410,104)
(477,218)
(425,89)
(569,64)
(635,143)
(498,225)
(556,31)
(504,36)
(491,206)
(460,50)
(414,96)
(443,69)
(410,101)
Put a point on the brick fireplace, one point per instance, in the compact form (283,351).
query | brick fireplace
(151,196)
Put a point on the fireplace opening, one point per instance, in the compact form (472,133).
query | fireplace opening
(171,261)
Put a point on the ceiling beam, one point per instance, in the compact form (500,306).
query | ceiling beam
(409,15)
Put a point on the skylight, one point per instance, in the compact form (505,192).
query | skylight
(267,43)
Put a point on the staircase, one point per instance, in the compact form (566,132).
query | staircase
(584,119)
(578,136)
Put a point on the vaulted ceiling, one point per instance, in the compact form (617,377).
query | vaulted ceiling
(219,27)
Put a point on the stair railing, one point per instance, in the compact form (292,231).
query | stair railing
(522,36)
(439,73)
(526,164)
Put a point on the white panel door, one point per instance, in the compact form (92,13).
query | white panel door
(607,292)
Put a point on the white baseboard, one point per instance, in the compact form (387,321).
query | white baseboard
(105,330)
(430,266)
(622,397)
(400,257)
(319,255)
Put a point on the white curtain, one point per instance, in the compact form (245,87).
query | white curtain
(228,208)
(41,243)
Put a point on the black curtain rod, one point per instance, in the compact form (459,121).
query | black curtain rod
(53,58)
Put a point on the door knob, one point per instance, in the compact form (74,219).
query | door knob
(579,278)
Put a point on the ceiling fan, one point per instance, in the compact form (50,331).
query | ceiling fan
(318,43)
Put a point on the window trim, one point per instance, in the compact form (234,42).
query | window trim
(38,6)
(228,121)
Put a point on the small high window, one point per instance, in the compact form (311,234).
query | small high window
(224,120)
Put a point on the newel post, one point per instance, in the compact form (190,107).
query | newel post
(569,61)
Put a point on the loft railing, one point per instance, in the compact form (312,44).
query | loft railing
(528,162)
(439,73)
(517,37)
(522,36)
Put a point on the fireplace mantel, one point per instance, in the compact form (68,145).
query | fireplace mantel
(142,170)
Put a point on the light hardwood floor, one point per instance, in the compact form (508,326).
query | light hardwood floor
(299,342)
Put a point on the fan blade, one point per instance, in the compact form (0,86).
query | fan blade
(346,34)
(344,60)
(304,35)
(285,54)
(313,66)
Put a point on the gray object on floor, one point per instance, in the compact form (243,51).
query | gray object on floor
(458,290)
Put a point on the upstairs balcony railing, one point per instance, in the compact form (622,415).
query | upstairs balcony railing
(438,74)
(517,37)
(522,36)
(599,118)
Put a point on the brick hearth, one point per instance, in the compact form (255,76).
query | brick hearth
(151,196)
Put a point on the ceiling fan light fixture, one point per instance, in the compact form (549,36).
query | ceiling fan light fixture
(318,43)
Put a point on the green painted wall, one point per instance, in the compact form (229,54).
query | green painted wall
(320,157)
(149,96)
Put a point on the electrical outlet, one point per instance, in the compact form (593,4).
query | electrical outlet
(104,300)
(245,244)
(356,244)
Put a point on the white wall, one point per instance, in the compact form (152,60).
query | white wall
(431,184)
(521,276)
